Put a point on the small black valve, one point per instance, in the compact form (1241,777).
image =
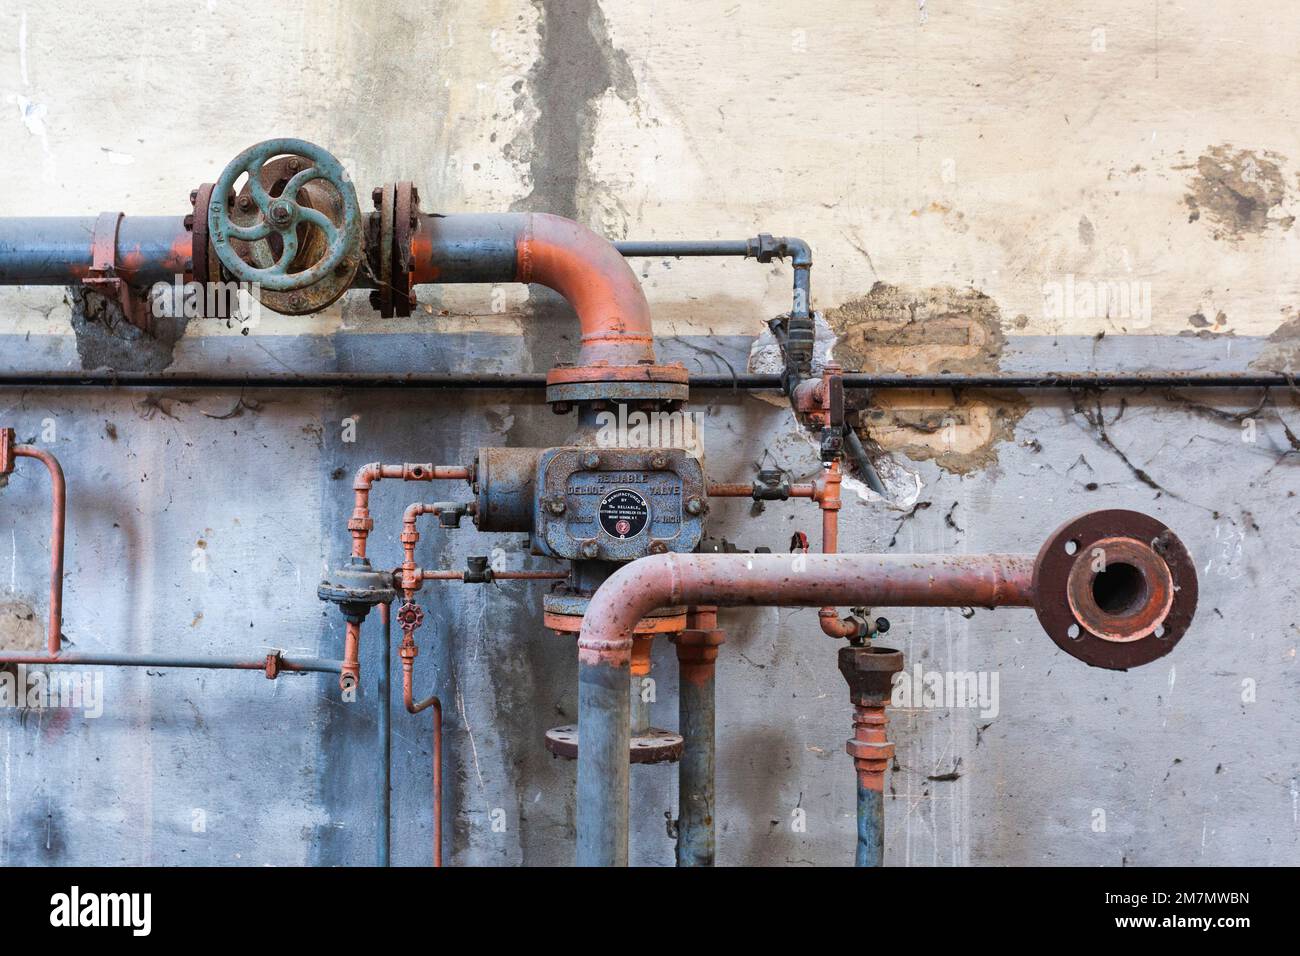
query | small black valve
(477,570)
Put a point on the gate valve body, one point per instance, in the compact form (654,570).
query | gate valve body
(294,230)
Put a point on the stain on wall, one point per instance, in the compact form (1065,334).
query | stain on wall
(1282,351)
(929,331)
(105,339)
(1239,192)
(19,628)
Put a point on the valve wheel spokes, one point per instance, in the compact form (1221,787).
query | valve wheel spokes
(282,215)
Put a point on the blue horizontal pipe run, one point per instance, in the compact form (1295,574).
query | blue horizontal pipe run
(57,250)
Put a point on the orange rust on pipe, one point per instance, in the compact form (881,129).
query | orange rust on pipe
(697,646)
(827,495)
(596,280)
(360,524)
(408,651)
(350,674)
(869,746)
(730,490)
(58,522)
(809,580)
(642,646)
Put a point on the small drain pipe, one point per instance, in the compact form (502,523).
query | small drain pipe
(605,642)
(9,451)
(385,731)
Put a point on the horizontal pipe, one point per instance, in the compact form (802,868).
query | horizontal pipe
(293,664)
(57,250)
(673,249)
(552,251)
(527,381)
(729,580)
(798,580)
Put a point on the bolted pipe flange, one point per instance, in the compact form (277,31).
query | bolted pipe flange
(1116,589)
(653,746)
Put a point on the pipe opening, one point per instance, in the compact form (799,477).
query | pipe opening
(1120,589)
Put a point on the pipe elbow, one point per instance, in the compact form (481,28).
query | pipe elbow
(629,594)
(366,476)
(592,275)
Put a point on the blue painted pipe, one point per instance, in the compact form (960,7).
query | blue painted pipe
(56,250)
(695,826)
(384,724)
(871,826)
(604,742)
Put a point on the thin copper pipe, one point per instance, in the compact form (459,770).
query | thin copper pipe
(408,652)
(725,489)
(828,498)
(360,524)
(59,494)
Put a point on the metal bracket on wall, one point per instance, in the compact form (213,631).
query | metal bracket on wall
(103,278)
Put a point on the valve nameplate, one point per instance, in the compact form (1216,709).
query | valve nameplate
(631,503)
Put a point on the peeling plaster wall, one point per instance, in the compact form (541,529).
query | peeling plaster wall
(1113,185)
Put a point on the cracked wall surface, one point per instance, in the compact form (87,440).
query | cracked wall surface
(1110,186)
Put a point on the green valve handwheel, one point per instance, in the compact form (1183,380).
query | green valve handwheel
(294,228)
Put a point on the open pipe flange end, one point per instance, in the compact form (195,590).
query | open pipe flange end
(1115,588)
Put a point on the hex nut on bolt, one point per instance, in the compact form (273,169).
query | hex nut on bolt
(591,550)
(591,460)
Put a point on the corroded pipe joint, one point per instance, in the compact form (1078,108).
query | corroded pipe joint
(697,653)
(7,456)
(826,488)
(834,626)
(367,475)
(869,748)
(869,672)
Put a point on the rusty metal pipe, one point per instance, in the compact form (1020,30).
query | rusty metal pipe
(828,498)
(59,250)
(58,523)
(563,255)
(360,524)
(408,652)
(804,580)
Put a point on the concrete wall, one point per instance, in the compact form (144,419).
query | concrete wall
(986,170)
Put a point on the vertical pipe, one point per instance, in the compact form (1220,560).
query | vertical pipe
(59,507)
(385,738)
(642,648)
(697,650)
(639,708)
(871,826)
(437,782)
(604,742)
(869,672)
